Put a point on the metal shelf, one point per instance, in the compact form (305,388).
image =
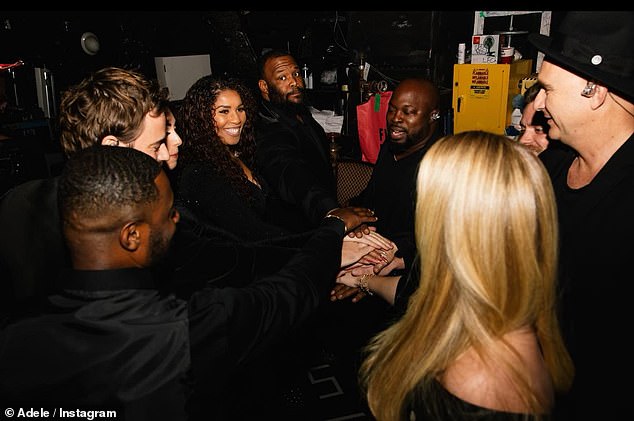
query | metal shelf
(544,29)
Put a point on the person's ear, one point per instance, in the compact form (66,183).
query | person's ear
(600,94)
(130,236)
(264,88)
(110,140)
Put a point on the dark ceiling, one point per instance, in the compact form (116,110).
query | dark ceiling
(398,40)
(396,43)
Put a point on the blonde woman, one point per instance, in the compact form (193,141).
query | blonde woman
(480,338)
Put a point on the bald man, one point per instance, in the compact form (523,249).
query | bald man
(412,125)
(292,149)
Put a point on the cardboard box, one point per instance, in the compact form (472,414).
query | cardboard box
(526,83)
(485,49)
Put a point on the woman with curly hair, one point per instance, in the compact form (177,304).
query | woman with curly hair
(219,184)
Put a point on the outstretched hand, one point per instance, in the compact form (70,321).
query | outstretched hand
(342,291)
(361,230)
(366,253)
(378,258)
(352,251)
(373,239)
(353,216)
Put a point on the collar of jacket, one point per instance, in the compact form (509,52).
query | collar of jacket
(268,112)
(107,279)
(273,113)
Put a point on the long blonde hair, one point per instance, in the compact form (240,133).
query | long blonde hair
(487,235)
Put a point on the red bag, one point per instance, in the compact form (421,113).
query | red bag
(371,125)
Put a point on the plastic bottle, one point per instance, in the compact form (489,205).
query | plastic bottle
(344,109)
(308,77)
(516,117)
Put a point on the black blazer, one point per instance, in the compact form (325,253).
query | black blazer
(294,159)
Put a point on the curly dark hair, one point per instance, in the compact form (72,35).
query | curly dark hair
(201,143)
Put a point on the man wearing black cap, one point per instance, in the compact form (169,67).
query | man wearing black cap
(587,96)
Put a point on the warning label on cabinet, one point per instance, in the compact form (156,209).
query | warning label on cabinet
(479,83)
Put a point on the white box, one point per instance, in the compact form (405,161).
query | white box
(485,49)
(178,73)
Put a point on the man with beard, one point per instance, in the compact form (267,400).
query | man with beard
(292,154)
(412,125)
(107,340)
(110,340)
(292,148)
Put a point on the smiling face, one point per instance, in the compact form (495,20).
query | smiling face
(567,111)
(229,116)
(173,140)
(409,113)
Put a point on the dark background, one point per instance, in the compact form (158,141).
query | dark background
(397,44)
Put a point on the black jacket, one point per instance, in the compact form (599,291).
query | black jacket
(33,253)
(294,159)
(109,338)
(213,200)
(32,249)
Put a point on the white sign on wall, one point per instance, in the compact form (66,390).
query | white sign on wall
(178,73)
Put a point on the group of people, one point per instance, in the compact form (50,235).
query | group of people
(162,352)
(147,283)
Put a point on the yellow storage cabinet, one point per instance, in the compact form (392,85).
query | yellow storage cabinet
(483,94)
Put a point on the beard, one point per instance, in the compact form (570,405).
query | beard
(397,148)
(159,247)
(411,140)
(280,99)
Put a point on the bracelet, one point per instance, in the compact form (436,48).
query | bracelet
(363,284)
(330,215)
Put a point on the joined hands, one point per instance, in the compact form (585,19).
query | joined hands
(364,251)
